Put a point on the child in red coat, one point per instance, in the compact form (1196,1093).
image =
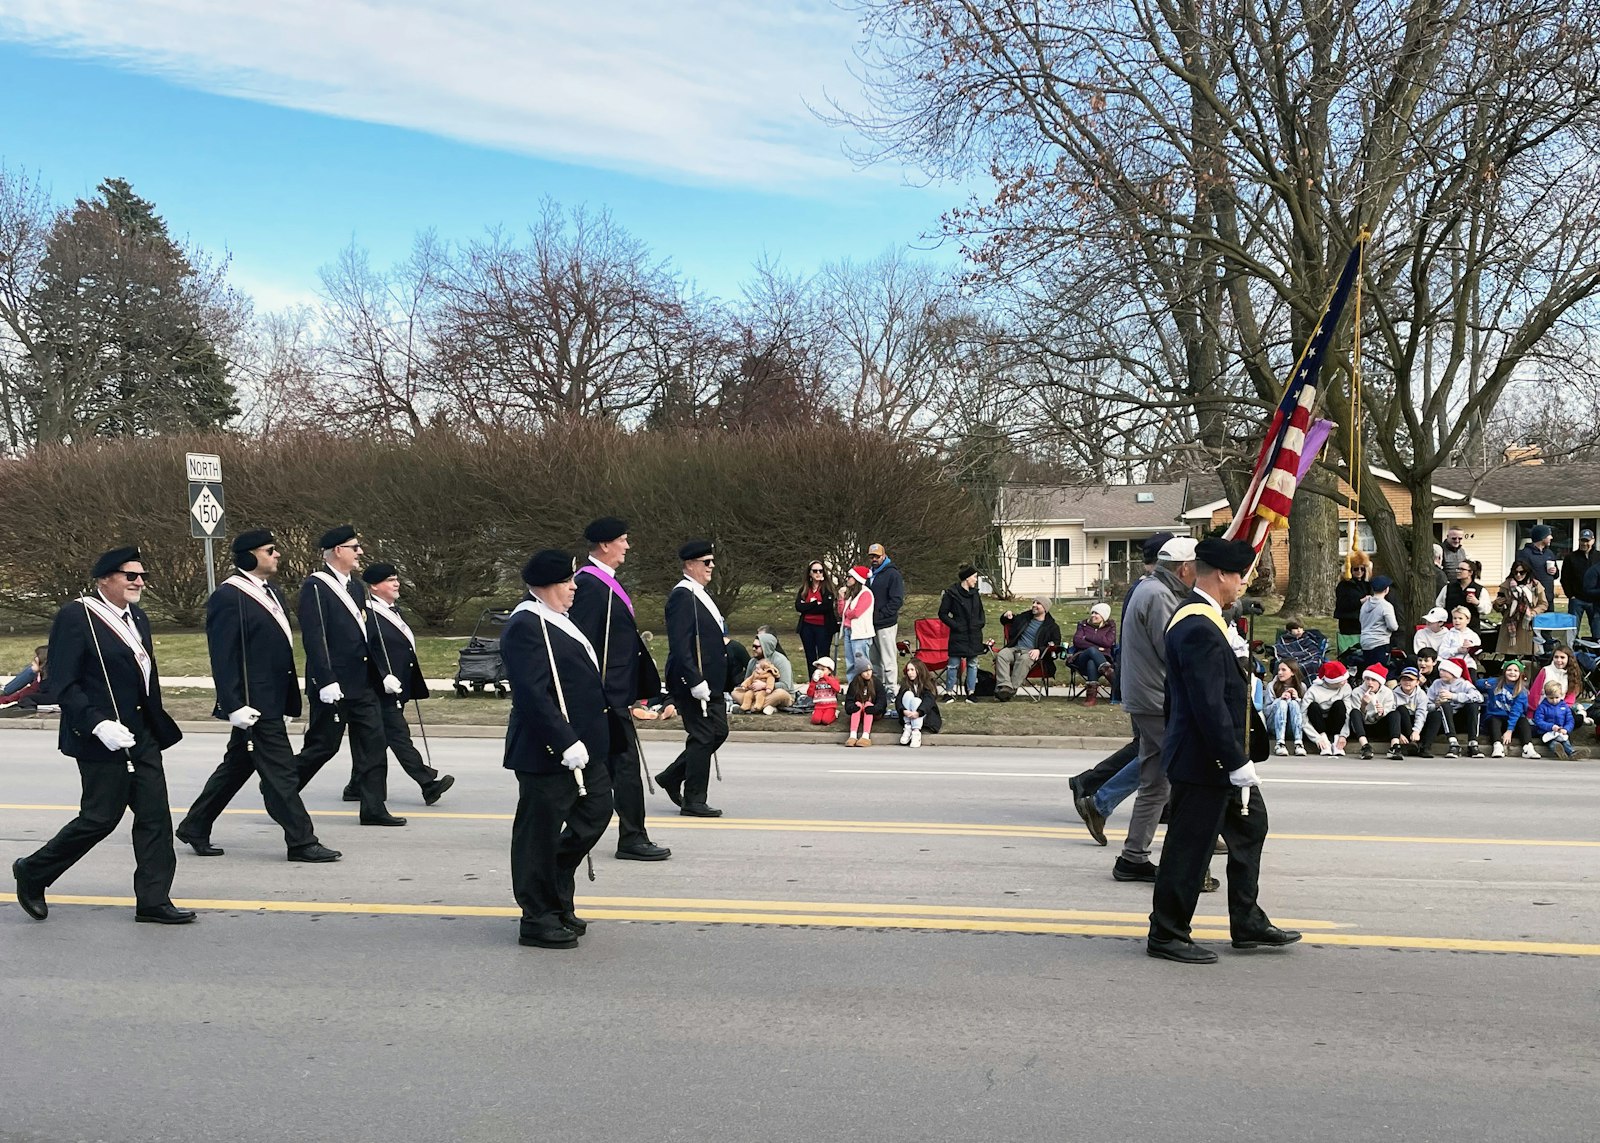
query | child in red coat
(824,692)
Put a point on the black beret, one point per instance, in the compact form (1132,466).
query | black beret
(333,537)
(604,530)
(114,559)
(696,550)
(1152,547)
(1225,555)
(377,573)
(548,567)
(251,540)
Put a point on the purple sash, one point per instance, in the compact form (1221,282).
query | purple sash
(605,577)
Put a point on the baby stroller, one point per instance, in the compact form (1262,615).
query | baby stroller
(479,665)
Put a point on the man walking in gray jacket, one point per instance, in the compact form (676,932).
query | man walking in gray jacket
(1144,681)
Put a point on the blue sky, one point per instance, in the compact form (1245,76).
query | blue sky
(280,133)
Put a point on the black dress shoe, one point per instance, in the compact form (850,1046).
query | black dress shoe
(643,851)
(1125,870)
(1270,937)
(314,852)
(1075,785)
(168,914)
(1091,818)
(673,790)
(1184,952)
(384,820)
(551,937)
(574,922)
(201,845)
(698,810)
(434,790)
(29,894)
(351,794)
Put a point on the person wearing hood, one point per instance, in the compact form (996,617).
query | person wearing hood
(765,649)
(961,610)
(888,597)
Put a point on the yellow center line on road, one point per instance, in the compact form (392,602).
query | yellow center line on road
(825,915)
(924,829)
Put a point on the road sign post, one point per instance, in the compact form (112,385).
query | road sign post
(207,518)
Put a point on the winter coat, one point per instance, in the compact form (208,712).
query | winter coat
(1347,597)
(1574,569)
(888,594)
(1102,638)
(1504,703)
(1539,563)
(1143,668)
(1545,675)
(822,606)
(1549,716)
(858,691)
(932,720)
(961,610)
(1518,603)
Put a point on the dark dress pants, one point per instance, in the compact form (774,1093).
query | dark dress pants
(273,759)
(108,790)
(706,729)
(1199,814)
(627,786)
(815,638)
(554,828)
(325,730)
(397,734)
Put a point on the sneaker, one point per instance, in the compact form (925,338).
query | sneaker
(948,698)
(1299,749)
(1394,752)
(1454,750)
(1324,747)
(916,739)
(905,736)
(1366,752)
(1125,870)
(1499,750)
(970,701)
(1474,750)
(1528,751)
(1338,747)
(1280,749)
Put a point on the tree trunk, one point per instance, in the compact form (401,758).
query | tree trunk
(1313,548)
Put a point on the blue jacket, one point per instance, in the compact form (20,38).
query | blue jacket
(1548,716)
(1501,703)
(888,594)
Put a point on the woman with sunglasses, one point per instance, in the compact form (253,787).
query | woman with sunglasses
(818,620)
(1520,598)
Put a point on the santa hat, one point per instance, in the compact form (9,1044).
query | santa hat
(1376,671)
(1455,668)
(1332,671)
(859,573)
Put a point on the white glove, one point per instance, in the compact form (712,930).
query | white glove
(114,735)
(575,757)
(245,717)
(331,694)
(701,690)
(1245,775)
(392,684)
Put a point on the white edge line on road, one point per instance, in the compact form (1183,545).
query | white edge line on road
(1019,774)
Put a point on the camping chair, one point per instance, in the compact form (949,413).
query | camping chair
(932,645)
(1037,683)
(1554,627)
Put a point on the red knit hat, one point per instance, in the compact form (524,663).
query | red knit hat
(1332,671)
(1376,671)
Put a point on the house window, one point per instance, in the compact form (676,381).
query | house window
(1063,552)
(1144,497)
(1024,553)
(1369,543)
(1561,534)
(1044,553)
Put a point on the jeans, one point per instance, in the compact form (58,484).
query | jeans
(24,677)
(1284,720)
(952,672)
(1580,609)
(853,649)
(1088,662)
(1124,782)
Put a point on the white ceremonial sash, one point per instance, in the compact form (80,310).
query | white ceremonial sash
(556,619)
(262,596)
(705,601)
(112,618)
(344,596)
(383,609)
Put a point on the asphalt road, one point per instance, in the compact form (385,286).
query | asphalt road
(874,945)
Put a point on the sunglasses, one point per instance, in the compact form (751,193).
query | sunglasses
(353,547)
(709,563)
(816,571)
(135,577)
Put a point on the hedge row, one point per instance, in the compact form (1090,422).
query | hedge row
(458,514)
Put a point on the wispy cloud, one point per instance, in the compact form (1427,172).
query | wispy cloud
(699,90)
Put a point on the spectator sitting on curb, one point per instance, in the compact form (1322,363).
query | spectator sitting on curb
(1282,708)
(1028,639)
(1411,704)
(824,691)
(864,700)
(1565,669)
(22,691)
(1327,706)
(1552,719)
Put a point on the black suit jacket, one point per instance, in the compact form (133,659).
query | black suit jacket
(77,682)
(337,648)
(538,733)
(1208,704)
(393,653)
(251,661)
(628,672)
(695,652)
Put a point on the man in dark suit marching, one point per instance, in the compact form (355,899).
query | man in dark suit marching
(558,725)
(604,613)
(342,680)
(696,668)
(103,675)
(394,650)
(252,664)
(1213,738)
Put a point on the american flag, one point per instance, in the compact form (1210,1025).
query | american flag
(1279,468)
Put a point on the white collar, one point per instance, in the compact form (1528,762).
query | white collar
(256,579)
(379,602)
(121,612)
(344,580)
(705,600)
(555,619)
(1208,599)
